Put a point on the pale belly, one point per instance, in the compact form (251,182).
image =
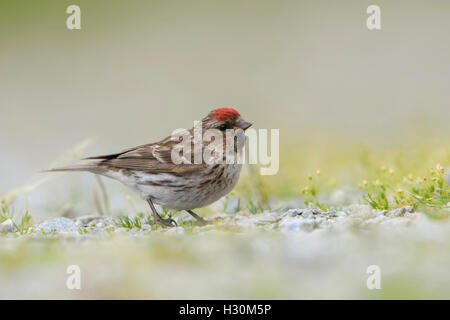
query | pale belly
(184,192)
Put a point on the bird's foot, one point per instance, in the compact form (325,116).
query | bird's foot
(198,220)
(201,222)
(169,222)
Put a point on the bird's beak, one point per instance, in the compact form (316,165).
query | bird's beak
(244,125)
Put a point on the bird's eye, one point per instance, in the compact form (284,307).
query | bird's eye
(223,127)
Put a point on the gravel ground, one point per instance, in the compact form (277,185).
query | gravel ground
(296,253)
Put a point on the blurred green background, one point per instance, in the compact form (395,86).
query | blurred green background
(139,69)
(346,100)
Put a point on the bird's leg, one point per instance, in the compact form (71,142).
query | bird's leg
(199,219)
(164,222)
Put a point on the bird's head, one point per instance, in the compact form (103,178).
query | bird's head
(225,118)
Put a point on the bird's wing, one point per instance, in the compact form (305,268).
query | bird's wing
(154,157)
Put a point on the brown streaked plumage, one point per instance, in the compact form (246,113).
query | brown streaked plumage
(149,169)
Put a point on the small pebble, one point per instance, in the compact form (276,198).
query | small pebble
(7,226)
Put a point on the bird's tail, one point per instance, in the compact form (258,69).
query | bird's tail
(89,167)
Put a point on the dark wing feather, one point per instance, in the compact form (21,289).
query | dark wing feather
(154,157)
(116,155)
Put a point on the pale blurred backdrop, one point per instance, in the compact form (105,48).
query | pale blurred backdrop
(139,69)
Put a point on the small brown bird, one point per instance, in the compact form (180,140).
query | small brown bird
(151,170)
